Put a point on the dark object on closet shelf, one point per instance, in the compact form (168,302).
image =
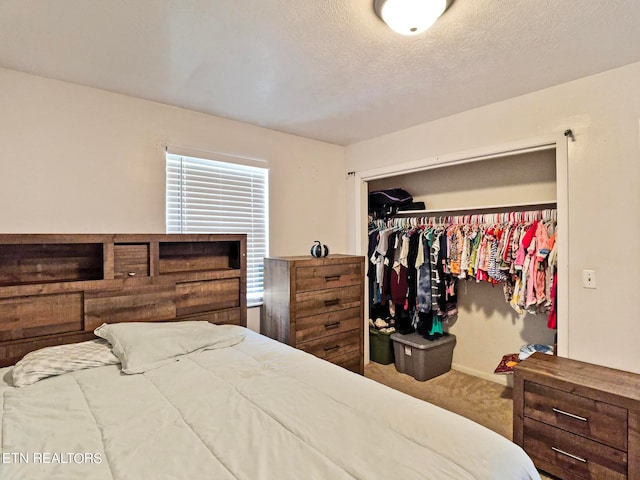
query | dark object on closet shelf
(412,206)
(384,203)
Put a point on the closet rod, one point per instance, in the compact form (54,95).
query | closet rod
(413,213)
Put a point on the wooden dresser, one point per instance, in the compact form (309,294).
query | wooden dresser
(577,420)
(316,305)
(57,289)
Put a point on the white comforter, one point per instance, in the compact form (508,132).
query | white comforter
(257,410)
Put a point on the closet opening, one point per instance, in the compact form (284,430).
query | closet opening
(527,178)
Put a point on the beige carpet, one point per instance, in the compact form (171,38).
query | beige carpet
(482,401)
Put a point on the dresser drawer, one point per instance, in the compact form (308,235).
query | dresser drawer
(576,455)
(335,348)
(580,415)
(325,324)
(327,276)
(325,301)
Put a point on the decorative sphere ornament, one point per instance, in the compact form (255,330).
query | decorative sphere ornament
(319,250)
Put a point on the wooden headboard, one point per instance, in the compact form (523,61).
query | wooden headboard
(56,289)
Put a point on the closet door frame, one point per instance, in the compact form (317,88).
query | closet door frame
(559,143)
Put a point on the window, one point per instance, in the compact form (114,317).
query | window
(210,196)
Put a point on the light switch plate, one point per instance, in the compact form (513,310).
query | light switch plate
(589,278)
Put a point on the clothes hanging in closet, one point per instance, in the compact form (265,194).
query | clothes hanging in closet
(409,280)
(415,265)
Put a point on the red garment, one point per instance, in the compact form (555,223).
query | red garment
(524,244)
(399,285)
(526,240)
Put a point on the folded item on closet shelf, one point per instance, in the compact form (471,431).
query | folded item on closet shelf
(412,206)
(527,350)
(385,203)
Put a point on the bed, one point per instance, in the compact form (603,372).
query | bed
(251,409)
(128,357)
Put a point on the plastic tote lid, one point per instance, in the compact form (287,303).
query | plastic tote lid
(416,340)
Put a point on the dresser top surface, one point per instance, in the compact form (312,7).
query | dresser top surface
(309,258)
(563,371)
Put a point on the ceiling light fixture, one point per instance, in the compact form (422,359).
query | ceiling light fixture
(410,17)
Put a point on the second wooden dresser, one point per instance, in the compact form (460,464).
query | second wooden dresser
(577,420)
(316,305)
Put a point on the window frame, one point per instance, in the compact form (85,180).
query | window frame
(246,195)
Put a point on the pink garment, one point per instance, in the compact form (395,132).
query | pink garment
(540,283)
(540,272)
(552,322)
(524,244)
(542,242)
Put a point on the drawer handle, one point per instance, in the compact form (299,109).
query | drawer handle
(570,455)
(331,326)
(572,415)
(332,349)
(331,303)
(132,274)
(332,278)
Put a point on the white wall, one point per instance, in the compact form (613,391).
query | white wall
(81,160)
(603,188)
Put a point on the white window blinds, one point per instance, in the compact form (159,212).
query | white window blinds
(207,196)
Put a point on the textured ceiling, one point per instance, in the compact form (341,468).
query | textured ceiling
(329,70)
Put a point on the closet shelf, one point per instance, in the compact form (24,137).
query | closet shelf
(511,206)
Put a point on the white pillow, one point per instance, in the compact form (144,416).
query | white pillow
(51,361)
(142,346)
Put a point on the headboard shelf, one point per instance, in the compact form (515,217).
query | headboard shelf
(34,263)
(57,288)
(186,257)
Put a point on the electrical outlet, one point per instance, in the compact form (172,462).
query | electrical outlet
(589,278)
